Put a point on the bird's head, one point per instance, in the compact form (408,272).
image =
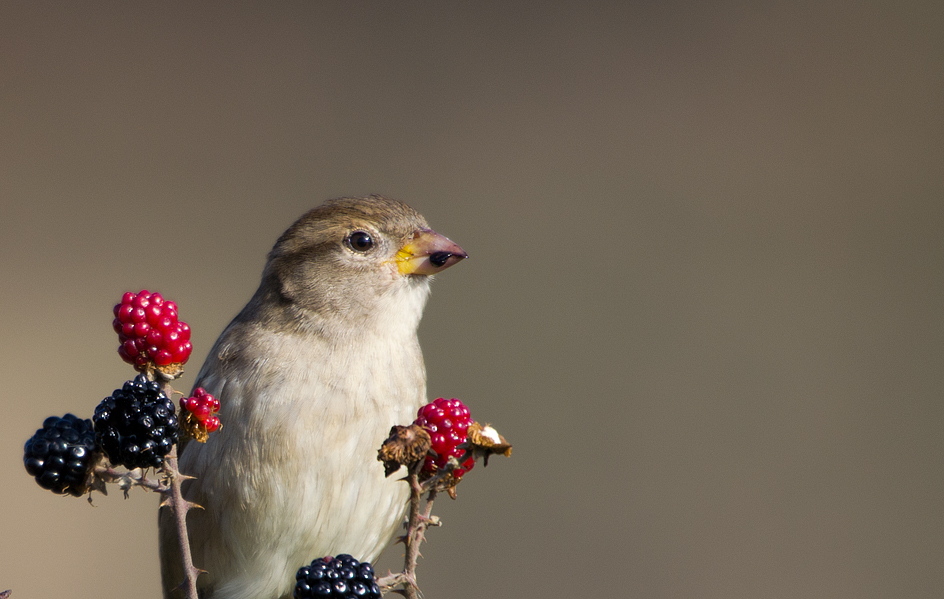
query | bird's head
(359,258)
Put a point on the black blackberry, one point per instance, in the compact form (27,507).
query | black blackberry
(137,425)
(61,454)
(342,577)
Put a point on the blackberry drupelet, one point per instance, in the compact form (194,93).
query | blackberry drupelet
(137,425)
(61,454)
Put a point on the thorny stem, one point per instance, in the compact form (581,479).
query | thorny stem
(416,528)
(126,479)
(419,521)
(173,497)
(416,534)
(175,500)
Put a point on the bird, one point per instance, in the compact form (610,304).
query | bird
(311,375)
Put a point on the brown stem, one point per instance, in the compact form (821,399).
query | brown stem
(127,478)
(173,497)
(175,500)
(419,520)
(413,539)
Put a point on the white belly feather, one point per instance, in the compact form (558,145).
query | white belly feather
(295,477)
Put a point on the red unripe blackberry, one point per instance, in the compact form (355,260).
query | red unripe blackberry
(198,413)
(136,426)
(61,454)
(341,577)
(447,421)
(148,331)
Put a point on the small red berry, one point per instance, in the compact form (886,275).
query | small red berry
(153,313)
(212,424)
(154,337)
(165,324)
(181,353)
(162,357)
(129,350)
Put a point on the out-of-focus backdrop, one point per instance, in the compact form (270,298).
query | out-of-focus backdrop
(705,299)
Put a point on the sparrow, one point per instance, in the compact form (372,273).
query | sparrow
(310,375)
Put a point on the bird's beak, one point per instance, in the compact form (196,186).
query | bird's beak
(427,253)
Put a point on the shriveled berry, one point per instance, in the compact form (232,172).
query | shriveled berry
(447,421)
(61,454)
(136,426)
(148,331)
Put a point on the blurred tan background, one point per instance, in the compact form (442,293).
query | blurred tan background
(704,300)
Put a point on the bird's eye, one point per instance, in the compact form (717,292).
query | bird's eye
(360,241)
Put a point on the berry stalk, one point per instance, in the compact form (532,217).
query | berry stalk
(125,480)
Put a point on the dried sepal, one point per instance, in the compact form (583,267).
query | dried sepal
(405,446)
(92,482)
(129,480)
(440,479)
(194,429)
(165,373)
(485,441)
